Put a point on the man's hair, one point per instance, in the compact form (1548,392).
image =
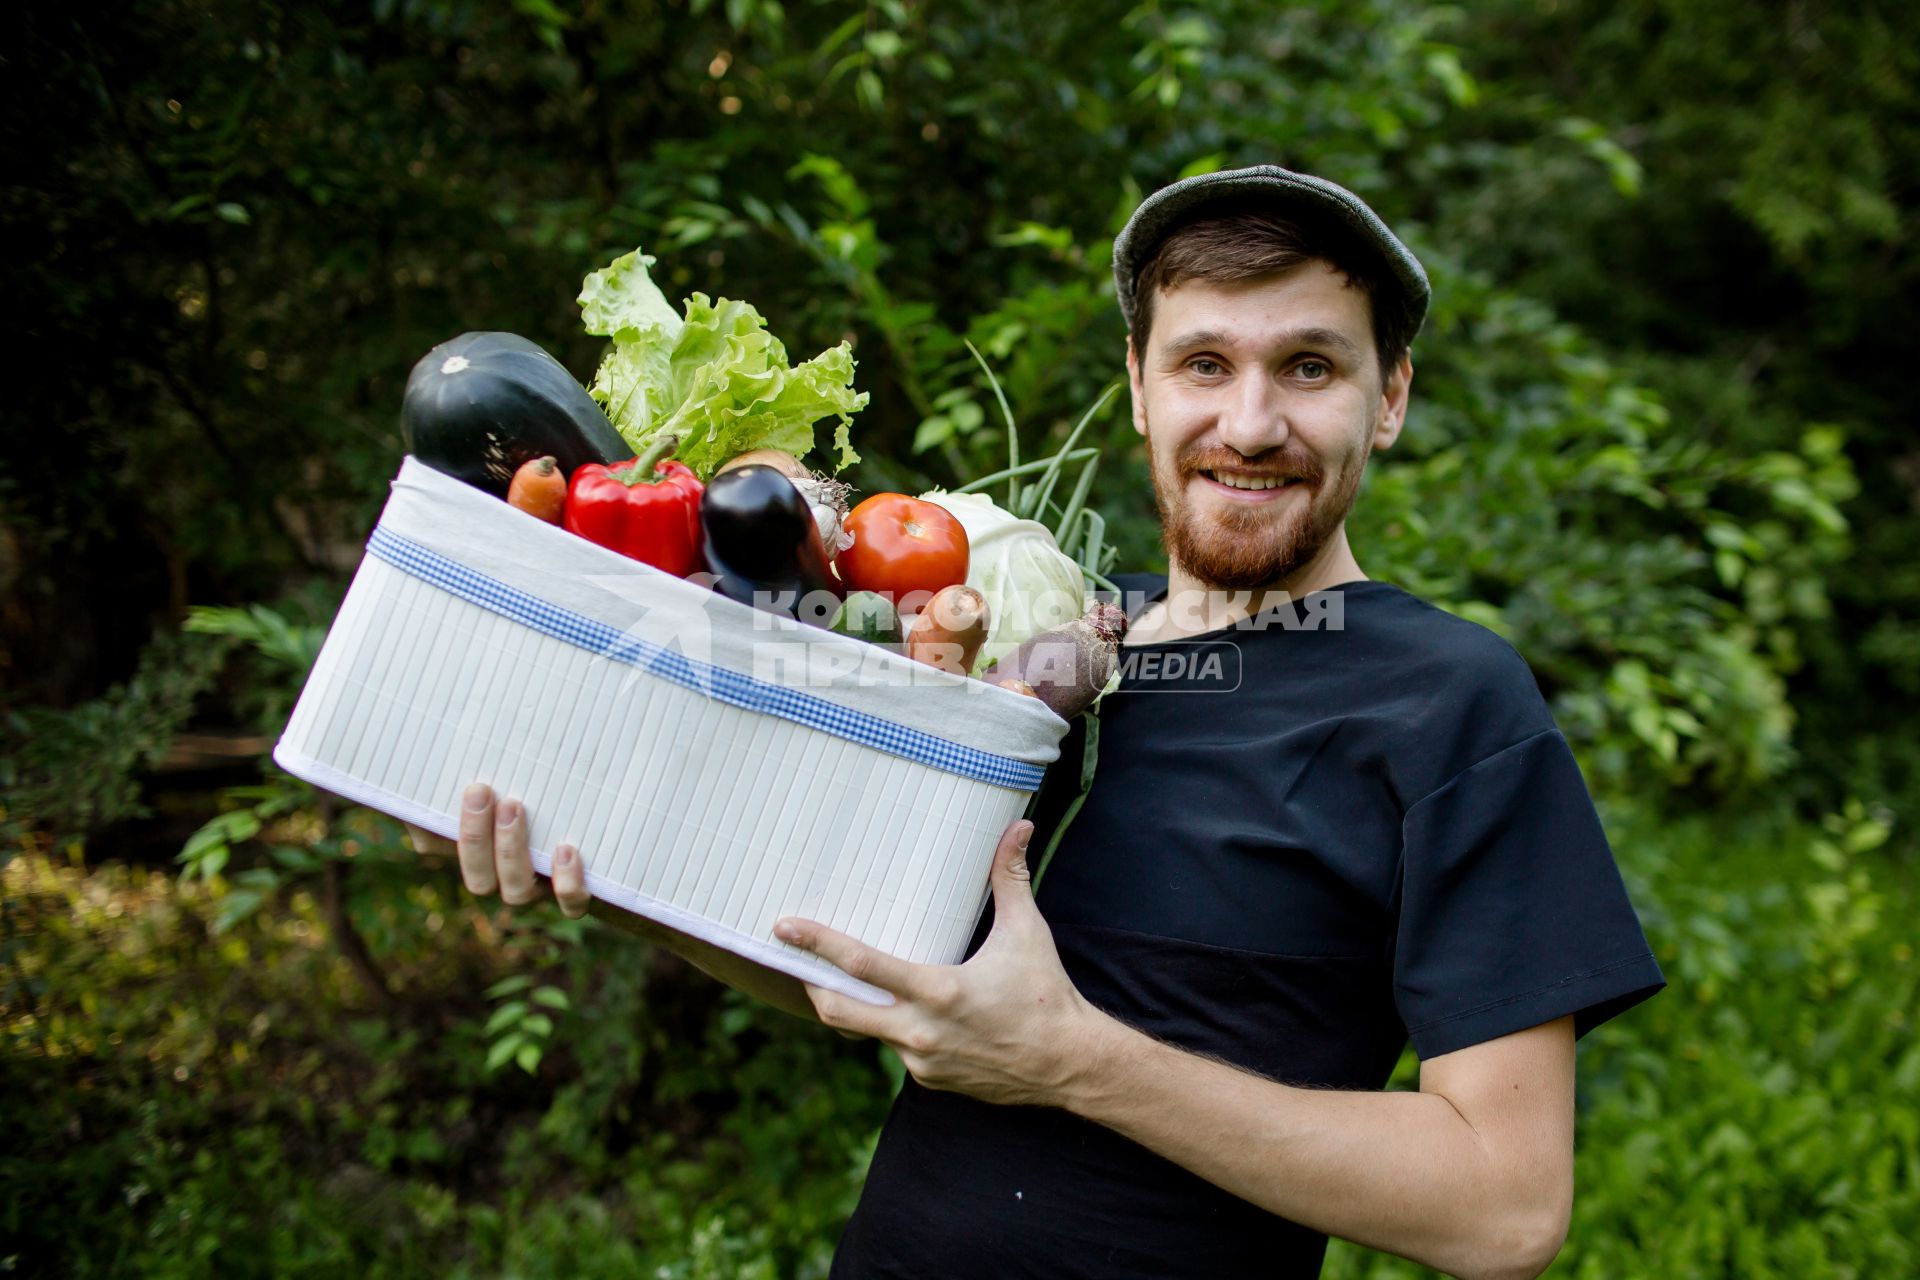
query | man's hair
(1245,244)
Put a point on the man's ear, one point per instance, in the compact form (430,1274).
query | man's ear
(1394,395)
(1135,389)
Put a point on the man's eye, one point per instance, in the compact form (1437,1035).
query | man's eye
(1313,370)
(1206,368)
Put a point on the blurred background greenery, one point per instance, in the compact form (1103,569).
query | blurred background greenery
(1662,439)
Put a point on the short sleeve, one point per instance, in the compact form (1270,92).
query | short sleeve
(1512,911)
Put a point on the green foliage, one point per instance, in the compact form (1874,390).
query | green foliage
(520,1025)
(1763,281)
(1658,584)
(1762,1116)
(1658,441)
(67,772)
(181,1100)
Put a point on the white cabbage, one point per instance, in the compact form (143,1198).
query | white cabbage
(1030,584)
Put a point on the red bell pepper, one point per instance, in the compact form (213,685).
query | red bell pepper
(648,508)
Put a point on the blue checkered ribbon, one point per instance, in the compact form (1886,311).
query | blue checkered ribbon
(719,683)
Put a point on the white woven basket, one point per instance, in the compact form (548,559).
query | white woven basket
(717,766)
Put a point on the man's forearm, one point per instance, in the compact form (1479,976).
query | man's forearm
(1402,1172)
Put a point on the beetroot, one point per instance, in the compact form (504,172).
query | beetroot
(1067,667)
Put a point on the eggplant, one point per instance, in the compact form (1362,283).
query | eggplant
(763,546)
(479,405)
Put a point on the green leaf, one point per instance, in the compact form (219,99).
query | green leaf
(1013,432)
(503,1017)
(843,451)
(1057,239)
(1827,855)
(527,1057)
(236,907)
(621,301)
(1189,30)
(503,1048)
(227,211)
(932,433)
(1213,162)
(1444,66)
(846,31)
(212,835)
(552,998)
(294,858)
(1089,761)
(507,986)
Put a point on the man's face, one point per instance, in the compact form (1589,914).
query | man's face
(1247,384)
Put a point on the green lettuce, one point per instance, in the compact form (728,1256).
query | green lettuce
(714,376)
(622,298)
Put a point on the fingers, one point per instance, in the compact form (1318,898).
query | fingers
(476,839)
(1010,878)
(837,1011)
(493,854)
(511,861)
(570,882)
(425,841)
(854,958)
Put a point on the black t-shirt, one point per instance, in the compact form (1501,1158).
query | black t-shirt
(1310,838)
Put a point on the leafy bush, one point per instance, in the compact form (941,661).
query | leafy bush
(1761,1117)
(184,1101)
(1657,441)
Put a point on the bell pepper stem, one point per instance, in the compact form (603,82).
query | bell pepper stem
(640,470)
(657,451)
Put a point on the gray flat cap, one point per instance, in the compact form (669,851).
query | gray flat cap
(1264,186)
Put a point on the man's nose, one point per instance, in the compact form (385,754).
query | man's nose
(1254,419)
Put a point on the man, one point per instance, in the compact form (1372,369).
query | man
(1352,835)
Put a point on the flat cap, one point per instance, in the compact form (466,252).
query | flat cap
(1282,191)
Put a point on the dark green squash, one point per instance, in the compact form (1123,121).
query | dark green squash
(479,405)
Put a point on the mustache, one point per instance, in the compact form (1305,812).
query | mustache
(1278,462)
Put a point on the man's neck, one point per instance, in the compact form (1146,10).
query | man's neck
(1193,607)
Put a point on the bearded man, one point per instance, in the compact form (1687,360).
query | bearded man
(1356,827)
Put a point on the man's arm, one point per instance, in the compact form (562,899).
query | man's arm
(1472,1175)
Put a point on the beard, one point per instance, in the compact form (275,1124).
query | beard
(1260,545)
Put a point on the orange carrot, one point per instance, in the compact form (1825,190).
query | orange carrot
(539,488)
(950,629)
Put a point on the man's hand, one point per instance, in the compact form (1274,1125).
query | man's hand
(493,854)
(1007,1026)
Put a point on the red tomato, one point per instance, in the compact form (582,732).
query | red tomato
(903,545)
